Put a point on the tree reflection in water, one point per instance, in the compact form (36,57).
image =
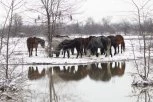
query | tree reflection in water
(143,94)
(53,96)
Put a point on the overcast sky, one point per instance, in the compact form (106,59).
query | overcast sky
(97,9)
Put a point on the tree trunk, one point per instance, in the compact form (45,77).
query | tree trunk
(7,40)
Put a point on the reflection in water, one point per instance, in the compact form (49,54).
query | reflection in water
(143,94)
(70,73)
(100,73)
(34,74)
(96,71)
(53,96)
(104,72)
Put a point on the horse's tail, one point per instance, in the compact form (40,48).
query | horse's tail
(123,45)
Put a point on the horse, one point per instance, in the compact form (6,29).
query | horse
(32,42)
(101,42)
(85,43)
(55,43)
(64,48)
(107,46)
(71,44)
(115,41)
(120,40)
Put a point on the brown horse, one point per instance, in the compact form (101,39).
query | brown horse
(32,42)
(116,41)
(120,40)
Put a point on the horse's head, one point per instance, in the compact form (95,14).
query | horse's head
(57,53)
(57,50)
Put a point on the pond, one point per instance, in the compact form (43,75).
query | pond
(95,82)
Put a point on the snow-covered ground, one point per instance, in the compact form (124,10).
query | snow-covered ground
(20,54)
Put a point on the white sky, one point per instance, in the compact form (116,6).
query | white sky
(97,9)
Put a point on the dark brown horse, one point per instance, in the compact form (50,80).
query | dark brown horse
(32,42)
(70,44)
(85,43)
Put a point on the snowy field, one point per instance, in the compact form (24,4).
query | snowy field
(19,54)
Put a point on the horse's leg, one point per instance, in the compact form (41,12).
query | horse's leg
(81,52)
(72,51)
(121,47)
(68,54)
(31,51)
(84,51)
(96,50)
(106,52)
(118,48)
(102,51)
(92,51)
(36,51)
(114,50)
(110,51)
(77,52)
(64,53)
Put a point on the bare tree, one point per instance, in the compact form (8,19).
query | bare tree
(55,12)
(10,8)
(7,75)
(142,14)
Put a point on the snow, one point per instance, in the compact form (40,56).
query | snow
(44,59)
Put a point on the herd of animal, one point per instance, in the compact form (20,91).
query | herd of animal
(84,46)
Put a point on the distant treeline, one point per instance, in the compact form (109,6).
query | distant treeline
(90,27)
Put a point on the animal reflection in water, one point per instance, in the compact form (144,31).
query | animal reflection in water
(33,73)
(96,71)
(101,71)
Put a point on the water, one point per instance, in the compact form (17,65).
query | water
(97,82)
